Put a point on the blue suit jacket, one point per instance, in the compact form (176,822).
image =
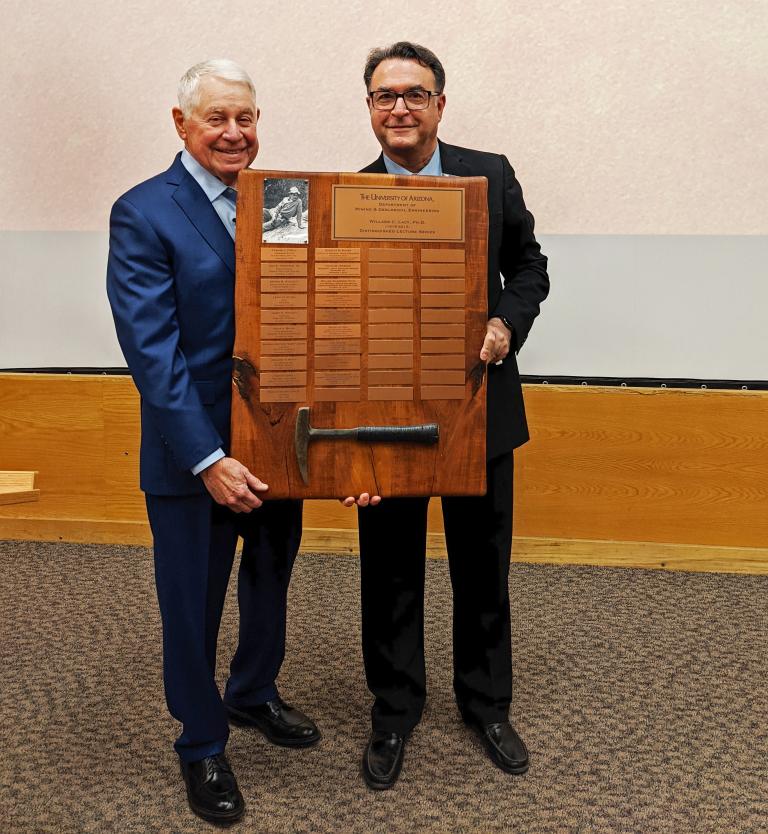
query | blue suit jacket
(170,282)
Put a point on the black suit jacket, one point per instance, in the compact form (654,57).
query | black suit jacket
(514,254)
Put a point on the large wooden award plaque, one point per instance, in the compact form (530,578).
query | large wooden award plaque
(360,304)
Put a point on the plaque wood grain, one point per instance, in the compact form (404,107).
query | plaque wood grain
(376,378)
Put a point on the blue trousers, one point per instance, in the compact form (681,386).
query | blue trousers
(194,547)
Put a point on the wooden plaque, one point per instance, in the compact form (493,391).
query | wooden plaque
(361,297)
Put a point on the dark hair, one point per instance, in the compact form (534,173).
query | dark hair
(409,52)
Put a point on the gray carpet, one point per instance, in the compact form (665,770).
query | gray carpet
(641,696)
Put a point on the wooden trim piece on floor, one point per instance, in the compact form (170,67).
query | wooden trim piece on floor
(532,550)
(78,530)
(18,487)
(658,555)
(342,541)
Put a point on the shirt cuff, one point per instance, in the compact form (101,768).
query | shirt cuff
(206,462)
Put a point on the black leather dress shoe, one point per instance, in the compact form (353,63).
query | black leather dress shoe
(382,759)
(505,747)
(212,789)
(280,723)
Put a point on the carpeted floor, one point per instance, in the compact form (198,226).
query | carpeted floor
(641,695)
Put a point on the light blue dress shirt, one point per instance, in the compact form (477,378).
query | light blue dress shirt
(223,199)
(432,169)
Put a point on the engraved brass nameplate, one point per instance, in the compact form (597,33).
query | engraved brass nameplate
(284,268)
(338,285)
(273,253)
(342,268)
(338,253)
(390,213)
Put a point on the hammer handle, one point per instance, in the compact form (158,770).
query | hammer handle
(427,434)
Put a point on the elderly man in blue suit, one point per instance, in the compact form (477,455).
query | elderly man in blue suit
(171,287)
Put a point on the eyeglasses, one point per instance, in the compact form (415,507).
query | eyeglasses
(413,99)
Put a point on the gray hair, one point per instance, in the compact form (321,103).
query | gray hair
(189,83)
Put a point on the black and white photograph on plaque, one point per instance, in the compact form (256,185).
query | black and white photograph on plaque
(286,211)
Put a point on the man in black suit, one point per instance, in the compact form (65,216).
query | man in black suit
(404,85)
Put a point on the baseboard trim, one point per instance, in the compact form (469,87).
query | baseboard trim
(618,554)
(78,530)
(527,549)
(649,555)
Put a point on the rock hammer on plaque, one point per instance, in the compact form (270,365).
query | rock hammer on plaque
(426,434)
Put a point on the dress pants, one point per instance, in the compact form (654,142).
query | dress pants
(194,546)
(478,533)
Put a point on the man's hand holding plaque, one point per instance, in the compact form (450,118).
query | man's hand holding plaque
(364,500)
(232,485)
(497,342)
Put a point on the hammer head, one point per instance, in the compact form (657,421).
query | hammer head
(301,442)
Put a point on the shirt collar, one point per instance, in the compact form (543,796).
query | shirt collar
(433,168)
(211,185)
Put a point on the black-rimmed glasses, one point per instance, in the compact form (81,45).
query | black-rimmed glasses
(413,99)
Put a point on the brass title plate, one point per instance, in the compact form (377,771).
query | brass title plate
(391,213)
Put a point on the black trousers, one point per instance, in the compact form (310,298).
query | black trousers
(478,533)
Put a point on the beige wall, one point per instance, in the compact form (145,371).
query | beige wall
(637,118)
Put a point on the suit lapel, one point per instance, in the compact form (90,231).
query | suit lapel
(377,167)
(193,202)
(452,162)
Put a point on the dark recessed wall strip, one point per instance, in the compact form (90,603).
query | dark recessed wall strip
(586,381)
(91,371)
(649,382)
